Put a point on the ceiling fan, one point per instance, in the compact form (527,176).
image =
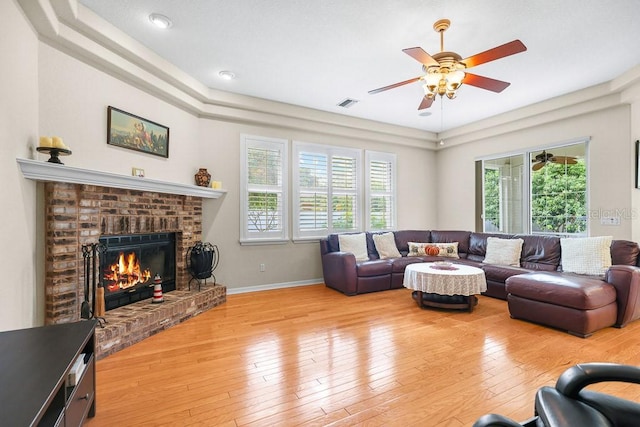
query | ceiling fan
(446,71)
(543,158)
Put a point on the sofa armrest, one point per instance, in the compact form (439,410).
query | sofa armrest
(626,280)
(339,270)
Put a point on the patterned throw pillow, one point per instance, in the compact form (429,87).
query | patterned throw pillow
(586,255)
(354,243)
(447,250)
(417,248)
(503,251)
(386,245)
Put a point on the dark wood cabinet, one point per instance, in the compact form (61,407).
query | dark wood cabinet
(35,364)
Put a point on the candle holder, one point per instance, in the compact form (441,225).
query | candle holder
(54,153)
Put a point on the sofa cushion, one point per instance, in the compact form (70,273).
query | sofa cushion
(586,255)
(354,243)
(624,252)
(565,289)
(385,244)
(503,251)
(400,263)
(378,267)
(540,252)
(500,273)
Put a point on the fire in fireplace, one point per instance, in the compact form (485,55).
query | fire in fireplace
(130,264)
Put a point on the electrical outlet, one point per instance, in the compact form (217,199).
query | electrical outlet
(263,268)
(610,220)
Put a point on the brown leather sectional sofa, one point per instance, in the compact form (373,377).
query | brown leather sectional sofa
(537,291)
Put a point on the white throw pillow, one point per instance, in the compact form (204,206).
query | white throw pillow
(386,245)
(586,255)
(354,243)
(503,251)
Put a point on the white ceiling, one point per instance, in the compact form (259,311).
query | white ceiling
(317,53)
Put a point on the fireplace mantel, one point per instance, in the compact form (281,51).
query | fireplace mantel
(45,171)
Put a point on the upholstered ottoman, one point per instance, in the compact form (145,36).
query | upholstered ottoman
(580,305)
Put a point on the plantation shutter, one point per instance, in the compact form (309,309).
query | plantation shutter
(328,190)
(264,201)
(381,191)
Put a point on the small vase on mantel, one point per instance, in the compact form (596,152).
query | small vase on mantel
(203,178)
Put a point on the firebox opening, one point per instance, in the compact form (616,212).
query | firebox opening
(130,264)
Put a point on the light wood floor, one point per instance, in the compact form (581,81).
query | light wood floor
(314,357)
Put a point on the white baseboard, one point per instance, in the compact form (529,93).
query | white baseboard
(270,286)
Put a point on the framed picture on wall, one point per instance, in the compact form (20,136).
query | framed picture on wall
(637,164)
(136,133)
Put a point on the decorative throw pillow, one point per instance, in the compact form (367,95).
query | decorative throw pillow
(586,255)
(417,248)
(503,251)
(354,243)
(448,250)
(386,245)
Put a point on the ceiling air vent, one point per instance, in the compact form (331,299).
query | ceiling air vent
(348,102)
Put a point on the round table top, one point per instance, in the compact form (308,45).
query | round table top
(457,279)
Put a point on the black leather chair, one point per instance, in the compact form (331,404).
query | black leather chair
(569,404)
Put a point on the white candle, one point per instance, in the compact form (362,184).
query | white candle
(57,142)
(46,141)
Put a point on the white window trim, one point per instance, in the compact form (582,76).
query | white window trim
(381,157)
(281,236)
(329,150)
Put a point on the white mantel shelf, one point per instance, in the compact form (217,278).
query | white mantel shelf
(53,172)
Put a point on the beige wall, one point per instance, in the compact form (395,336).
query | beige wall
(20,298)
(610,167)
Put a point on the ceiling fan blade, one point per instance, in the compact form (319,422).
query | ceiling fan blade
(564,159)
(426,103)
(501,51)
(485,82)
(537,166)
(421,56)
(382,89)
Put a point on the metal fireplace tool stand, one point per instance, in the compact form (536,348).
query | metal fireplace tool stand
(201,260)
(95,309)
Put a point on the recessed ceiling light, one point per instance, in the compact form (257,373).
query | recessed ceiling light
(226,75)
(160,21)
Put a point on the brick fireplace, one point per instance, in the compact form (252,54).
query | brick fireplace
(78,213)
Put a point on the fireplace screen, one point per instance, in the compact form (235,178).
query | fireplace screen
(131,262)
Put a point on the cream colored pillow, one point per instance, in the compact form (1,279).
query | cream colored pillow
(586,255)
(386,245)
(448,250)
(503,251)
(354,243)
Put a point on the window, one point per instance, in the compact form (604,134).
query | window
(263,180)
(328,190)
(542,191)
(558,193)
(381,190)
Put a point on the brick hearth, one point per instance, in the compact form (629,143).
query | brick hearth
(79,214)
